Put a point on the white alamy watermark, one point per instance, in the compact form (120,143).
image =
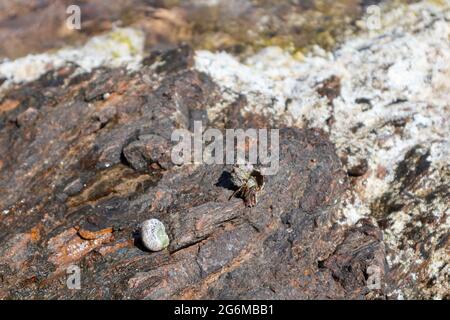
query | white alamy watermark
(74,277)
(73,21)
(250,146)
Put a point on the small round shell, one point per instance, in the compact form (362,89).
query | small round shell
(153,234)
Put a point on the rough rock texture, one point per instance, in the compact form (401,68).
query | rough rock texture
(86,169)
(383,98)
(361,194)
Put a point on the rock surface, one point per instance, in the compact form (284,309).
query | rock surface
(383,98)
(358,209)
(80,179)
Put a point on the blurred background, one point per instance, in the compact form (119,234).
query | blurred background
(237,26)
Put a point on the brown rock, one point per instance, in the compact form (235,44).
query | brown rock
(89,178)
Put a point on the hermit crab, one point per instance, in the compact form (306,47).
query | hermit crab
(249,182)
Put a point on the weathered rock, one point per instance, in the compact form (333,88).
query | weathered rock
(148,150)
(80,179)
(358,208)
(383,99)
